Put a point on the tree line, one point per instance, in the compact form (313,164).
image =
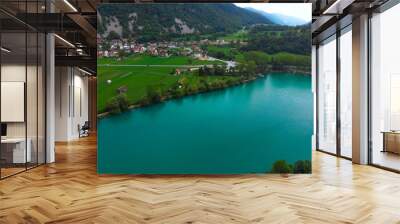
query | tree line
(275,39)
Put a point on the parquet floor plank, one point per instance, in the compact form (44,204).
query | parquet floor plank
(70,191)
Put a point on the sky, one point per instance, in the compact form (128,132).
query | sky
(298,10)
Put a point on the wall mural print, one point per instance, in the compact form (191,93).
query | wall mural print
(219,88)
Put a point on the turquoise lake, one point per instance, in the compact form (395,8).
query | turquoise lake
(241,129)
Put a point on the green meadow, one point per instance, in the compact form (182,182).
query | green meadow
(144,59)
(225,52)
(137,80)
(241,35)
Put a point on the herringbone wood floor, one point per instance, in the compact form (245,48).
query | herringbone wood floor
(70,191)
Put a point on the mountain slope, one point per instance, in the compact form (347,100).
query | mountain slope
(279,18)
(160,20)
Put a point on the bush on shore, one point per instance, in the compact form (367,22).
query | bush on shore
(281,166)
(117,104)
(300,166)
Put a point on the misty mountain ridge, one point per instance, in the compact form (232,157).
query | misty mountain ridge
(279,19)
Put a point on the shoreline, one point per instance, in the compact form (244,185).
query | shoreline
(301,70)
(170,97)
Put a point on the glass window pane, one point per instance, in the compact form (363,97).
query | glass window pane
(385,92)
(14,153)
(22,88)
(32,88)
(346,93)
(327,96)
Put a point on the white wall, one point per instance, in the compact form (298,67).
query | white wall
(62,81)
(16,73)
(9,73)
(13,101)
(81,104)
(71,102)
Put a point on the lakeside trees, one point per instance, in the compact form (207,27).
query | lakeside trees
(300,166)
(118,104)
(282,59)
(154,94)
(245,69)
(215,70)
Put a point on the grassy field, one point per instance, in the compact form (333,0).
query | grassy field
(139,79)
(226,51)
(143,59)
(241,35)
(136,79)
(222,49)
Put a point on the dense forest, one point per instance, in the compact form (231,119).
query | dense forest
(273,44)
(275,39)
(162,21)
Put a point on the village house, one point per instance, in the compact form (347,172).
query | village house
(163,45)
(139,49)
(196,48)
(126,46)
(186,51)
(163,53)
(204,41)
(152,51)
(172,45)
(115,44)
(114,53)
(201,56)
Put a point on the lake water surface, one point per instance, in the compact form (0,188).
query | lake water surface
(242,129)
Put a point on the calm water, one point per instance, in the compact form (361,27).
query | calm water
(242,129)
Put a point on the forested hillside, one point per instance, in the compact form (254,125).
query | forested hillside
(275,39)
(162,21)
